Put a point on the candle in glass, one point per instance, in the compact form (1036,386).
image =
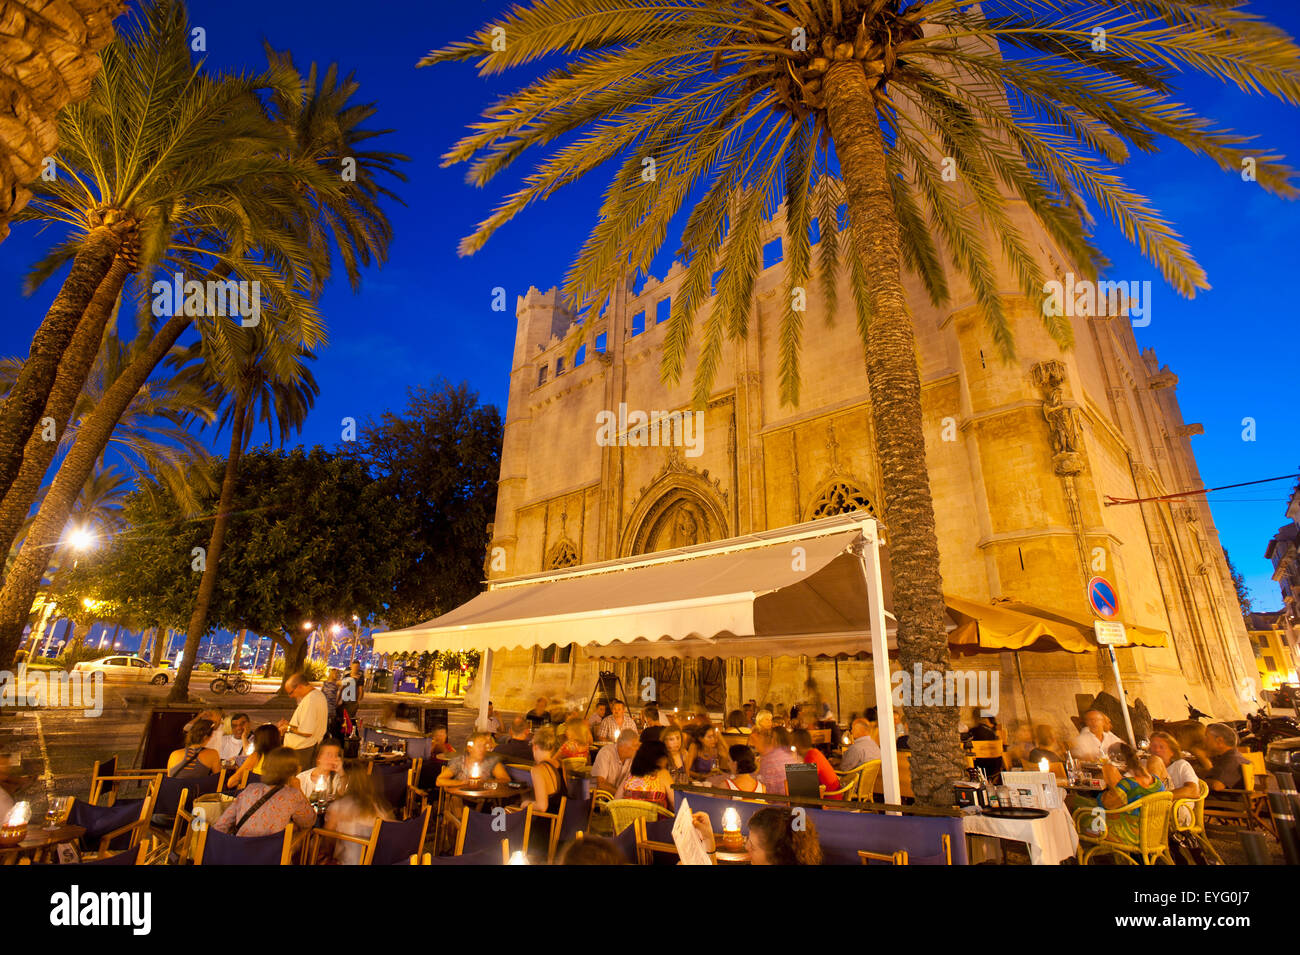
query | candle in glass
(1043,765)
(731,837)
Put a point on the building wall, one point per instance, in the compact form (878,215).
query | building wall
(1023,457)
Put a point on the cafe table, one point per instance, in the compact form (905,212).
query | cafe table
(38,842)
(479,794)
(1051,839)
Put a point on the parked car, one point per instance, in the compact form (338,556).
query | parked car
(128,668)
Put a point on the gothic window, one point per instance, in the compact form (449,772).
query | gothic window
(841,498)
(541,375)
(554,654)
(563,554)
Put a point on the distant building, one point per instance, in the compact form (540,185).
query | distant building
(1281,551)
(1270,638)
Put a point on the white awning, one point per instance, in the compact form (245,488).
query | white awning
(797,590)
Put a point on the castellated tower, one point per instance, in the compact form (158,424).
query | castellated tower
(1023,456)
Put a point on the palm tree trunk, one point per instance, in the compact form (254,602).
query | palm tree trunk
(21,411)
(71,378)
(208,585)
(895,388)
(294,657)
(237,657)
(270,661)
(92,437)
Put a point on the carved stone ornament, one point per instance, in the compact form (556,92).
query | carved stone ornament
(1062,418)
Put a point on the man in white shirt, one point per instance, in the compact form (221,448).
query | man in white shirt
(1096,739)
(233,743)
(863,749)
(613,761)
(307,726)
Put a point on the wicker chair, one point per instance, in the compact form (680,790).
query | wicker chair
(1154,814)
(624,812)
(1192,812)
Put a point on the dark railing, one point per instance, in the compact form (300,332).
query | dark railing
(842,804)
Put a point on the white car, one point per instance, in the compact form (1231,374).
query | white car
(128,668)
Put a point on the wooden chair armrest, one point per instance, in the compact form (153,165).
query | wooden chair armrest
(104,840)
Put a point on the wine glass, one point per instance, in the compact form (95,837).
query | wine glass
(55,810)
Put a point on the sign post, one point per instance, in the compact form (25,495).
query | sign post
(1110,634)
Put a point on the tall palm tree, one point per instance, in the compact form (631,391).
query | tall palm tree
(284,231)
(152,437)
(741,102)
(264,380)
(150,153)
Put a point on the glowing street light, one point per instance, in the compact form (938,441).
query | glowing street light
(81,539)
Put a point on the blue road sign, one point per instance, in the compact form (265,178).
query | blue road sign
(1102,597)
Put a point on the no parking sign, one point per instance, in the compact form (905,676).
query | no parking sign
(1102,598)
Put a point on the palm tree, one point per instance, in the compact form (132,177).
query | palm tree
(284,231)
(152,437)
(264,380)
(741,102)
(154,150)
(64,36)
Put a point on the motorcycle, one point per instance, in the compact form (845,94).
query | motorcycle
(1261,728)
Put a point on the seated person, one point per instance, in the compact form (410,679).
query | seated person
(234,742)
(592,850)
(1095,739)
(402,720)
(476,761)
(984,729)
(704,747)
(548,777)
(679,764)
(265,738)
(493,722)
(736,723)
(1221,767)
(355,814)
(774,839)
(517,746)
(440,744)
(577,739)
(863,749)
(808,753)
(327,773)
(774,753)
(647,777)
(197,758)
(539,715)
(266,808)
(1047,745)
(1173,770)
(1127,780)
(619,719)
(614,761)
(746,766)
(598,715)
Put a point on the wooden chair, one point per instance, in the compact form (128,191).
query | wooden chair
(647,847)
(1152,842)
(1246,806)
(893,858)
(570,763)
(868,773)
(820,737)
(242,850)
(626,811)
(850,784)
(374,843)
(904,777)
(986,749)
(554,819)
(1192,812)
(600,800)
(137,828)
(104,771)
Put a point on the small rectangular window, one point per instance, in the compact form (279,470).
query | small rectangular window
(638,323)
(580,356)
(772,253)
(663,311)
(600,343)
(559,366)
(541,375)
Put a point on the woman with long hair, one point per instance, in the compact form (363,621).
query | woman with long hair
(577,739)
(648,777)
(355,813)
(197,758)
(265,738)
(774,839)
(679,761)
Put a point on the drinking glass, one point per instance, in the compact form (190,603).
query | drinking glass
(56,810)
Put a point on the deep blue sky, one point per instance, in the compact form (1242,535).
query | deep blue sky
(426,313)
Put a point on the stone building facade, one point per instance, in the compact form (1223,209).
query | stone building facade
(1022,457)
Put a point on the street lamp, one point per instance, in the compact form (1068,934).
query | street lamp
(81,539)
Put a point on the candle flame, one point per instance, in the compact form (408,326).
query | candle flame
(730,820)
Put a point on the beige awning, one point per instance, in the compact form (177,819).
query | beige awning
(798,590)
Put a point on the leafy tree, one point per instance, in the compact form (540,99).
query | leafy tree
(441,458)
(1238,583)
(740,103)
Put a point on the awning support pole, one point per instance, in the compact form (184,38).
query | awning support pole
(1123,699)
(1024,694)
(484,689)
(870,560)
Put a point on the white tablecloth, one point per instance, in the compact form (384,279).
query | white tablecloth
(1051,839)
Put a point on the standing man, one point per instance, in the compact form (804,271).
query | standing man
(306,728)
(350,693)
